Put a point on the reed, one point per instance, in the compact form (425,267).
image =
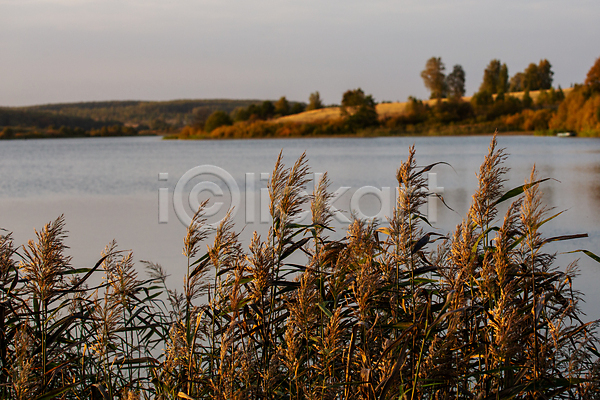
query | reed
(389,311)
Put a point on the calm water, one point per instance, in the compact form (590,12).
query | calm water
(108,187)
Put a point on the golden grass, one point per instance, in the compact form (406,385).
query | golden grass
(320,115)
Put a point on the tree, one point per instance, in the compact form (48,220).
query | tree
(434,78)
(538,77)
(241,114)
(455,82)
(517,82)
(297,108)
(532,77)
(503,82)
(253,112)
(282,106)
(199,116)
(482,98)
(593,76)
(527,100)
(217,119)
(364,114)
(267,109)
(354,98)
(495,78)
(545,74)
(314,101)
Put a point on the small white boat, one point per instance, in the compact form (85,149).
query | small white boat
(566,134)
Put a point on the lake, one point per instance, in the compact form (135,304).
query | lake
(122,188)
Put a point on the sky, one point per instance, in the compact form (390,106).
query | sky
(54,51)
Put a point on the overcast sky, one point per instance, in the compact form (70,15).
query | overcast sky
(86,50)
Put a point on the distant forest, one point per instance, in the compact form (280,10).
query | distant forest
(110,118)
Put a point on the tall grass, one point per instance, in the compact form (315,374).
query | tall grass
(392,311)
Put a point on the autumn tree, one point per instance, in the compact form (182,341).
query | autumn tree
(517,82)
(455,82)
(526,100)
(495,78)
(538,76)
(363,113)
(531,79)
(314,101)
(217,119)
(593,76)
(503,80)
(434,78)
(353,98)
(267,109)
(263,111)
(545,74)
(535,77)
(282,106)
(297,108)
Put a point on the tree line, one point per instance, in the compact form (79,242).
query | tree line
(495,78)
(497,104)
(262,111)
(205,121)
(496,100)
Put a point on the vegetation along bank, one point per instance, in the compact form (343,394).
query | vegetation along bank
(525,102)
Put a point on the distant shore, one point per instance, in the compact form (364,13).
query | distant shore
(540,112)
(364,135)
(526,113)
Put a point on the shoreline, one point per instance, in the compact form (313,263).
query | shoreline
(359,135)
(356,136)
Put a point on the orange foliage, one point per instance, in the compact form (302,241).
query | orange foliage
(593,76)
(579,112)
(188,131)
(528,120)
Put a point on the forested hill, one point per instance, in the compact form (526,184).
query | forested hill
(34,118)
(156,115)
